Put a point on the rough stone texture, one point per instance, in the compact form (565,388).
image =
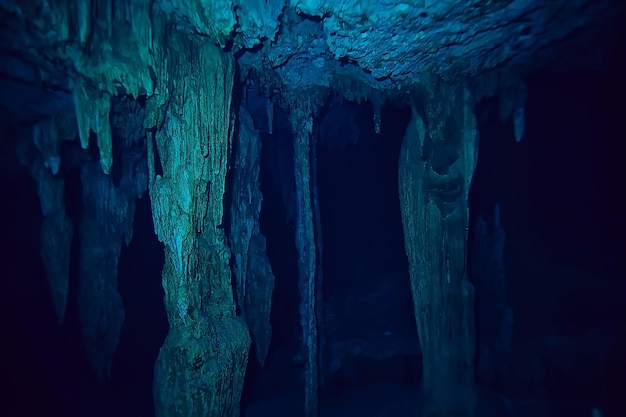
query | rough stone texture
(95,50)
(376,45)
(437,161)
(400,40)
(76,51)
(251,267)
(387,45)
(248,21)
(201,366)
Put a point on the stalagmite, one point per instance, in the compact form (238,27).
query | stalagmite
(302,124)
(437,160)
(251,266)
(200,368)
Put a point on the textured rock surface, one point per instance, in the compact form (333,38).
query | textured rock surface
(251,266)
(201,366)
(93,51)
(389,44)
(302,122)
(381,45)
(437,161)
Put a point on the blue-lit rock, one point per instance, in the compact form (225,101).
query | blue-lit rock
(181,57)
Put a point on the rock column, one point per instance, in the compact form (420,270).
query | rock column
(302,124)
(437,160)
(200,368)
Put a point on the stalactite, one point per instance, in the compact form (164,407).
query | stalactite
(377,106)
(200,368)
(512,101)
(46,138)
(246,200)
(251,267)
(519,123)
(302,124)
(320,313)
(92,113)
(100,307)
(107,221)
(258,300)
(56,228)
(56,235)
(269,106)
(436,164)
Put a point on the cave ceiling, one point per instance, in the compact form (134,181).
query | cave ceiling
(358,48)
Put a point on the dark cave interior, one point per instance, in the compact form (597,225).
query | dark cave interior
(560,208)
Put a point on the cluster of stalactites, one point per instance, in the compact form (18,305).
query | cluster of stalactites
(106,47)
(512,94)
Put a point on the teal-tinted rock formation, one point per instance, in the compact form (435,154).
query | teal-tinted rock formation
(149,88)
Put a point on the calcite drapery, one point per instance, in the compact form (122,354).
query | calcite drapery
(201,366)
(437,161)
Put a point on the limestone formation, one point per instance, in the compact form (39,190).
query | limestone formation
(107,224)
(251,266)
(437,161)
(200,368)
(179,59)
(302,124)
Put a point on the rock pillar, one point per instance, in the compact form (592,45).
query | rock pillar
(200,368)
(302,124)
(437,160)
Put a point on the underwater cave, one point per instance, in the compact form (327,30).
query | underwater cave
(312,208)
